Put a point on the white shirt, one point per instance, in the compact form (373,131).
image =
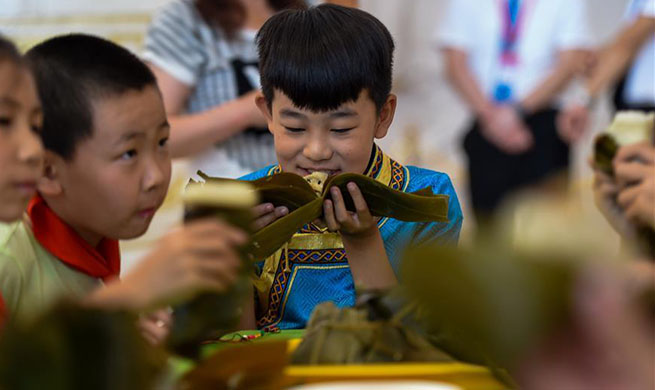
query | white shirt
(640,81)
(548,26)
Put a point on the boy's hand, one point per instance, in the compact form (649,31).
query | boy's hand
(267,213)
(361,238)
(605,190)
(634,168)
(338,218)
(199,256)
(156,325)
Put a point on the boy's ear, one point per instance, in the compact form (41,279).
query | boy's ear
(261,102)
(386,116)
(49,183)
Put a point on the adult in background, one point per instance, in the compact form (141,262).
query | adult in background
(628,61)
(204,56)
(509,60)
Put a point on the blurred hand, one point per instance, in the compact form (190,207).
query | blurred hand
(572,123)
(267,213)
(505,129)
(605,192)
(156,325)
(634,169)
(607,344)
(196,257)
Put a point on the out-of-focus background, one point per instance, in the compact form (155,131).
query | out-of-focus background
(430,118)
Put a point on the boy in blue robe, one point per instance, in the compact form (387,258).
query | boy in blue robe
(326,82)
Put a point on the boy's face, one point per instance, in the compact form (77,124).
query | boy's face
(21,152)
(119,176)
(334,141)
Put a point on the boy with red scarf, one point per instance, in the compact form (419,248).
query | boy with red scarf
(104,173)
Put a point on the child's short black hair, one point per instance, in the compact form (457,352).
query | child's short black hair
(70,71)
(325,56)
(9,52)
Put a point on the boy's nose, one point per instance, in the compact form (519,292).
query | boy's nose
(157,173)
(317,149)
(29,146)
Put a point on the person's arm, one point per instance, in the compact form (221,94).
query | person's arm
(361,238)
(545,92)
(194,133)
(200,256)
(615,57)
(501,124)
(461,78)
(608,66)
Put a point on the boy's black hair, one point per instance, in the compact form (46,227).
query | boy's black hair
(72,70)
(8,51)
(325,56)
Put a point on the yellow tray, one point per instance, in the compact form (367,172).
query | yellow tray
(466,376)
(268,353)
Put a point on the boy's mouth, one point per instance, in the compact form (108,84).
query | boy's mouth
(147,213)
(25,188)
(309,171)
(150,210)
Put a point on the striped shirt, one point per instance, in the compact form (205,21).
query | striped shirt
(180,42)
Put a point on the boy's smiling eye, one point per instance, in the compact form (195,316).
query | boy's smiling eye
(5,121)
(128,155)
(341,131)
(294,129)
(163,142)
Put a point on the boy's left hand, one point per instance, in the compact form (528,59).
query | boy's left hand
(355,224)
(156,325)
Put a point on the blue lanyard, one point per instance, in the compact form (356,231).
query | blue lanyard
(512,15)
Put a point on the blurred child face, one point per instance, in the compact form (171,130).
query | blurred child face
(119,176)
(334,141)
(21,153)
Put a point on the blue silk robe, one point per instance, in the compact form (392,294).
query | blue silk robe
(313,268)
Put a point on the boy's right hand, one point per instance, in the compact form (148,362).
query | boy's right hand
(267,213)
(199,256)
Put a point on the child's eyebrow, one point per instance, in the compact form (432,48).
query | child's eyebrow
(139,134)
(343,113)
(292,114)
(130,136)
(7,101)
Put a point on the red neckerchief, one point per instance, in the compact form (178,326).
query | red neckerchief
(3,313)
(63,242)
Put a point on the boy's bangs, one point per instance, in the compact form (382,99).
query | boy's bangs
(316,86)
(325,57)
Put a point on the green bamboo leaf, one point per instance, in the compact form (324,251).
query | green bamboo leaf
(605,148)
(269,239)
(387,202)
(421,206)
(282,189)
